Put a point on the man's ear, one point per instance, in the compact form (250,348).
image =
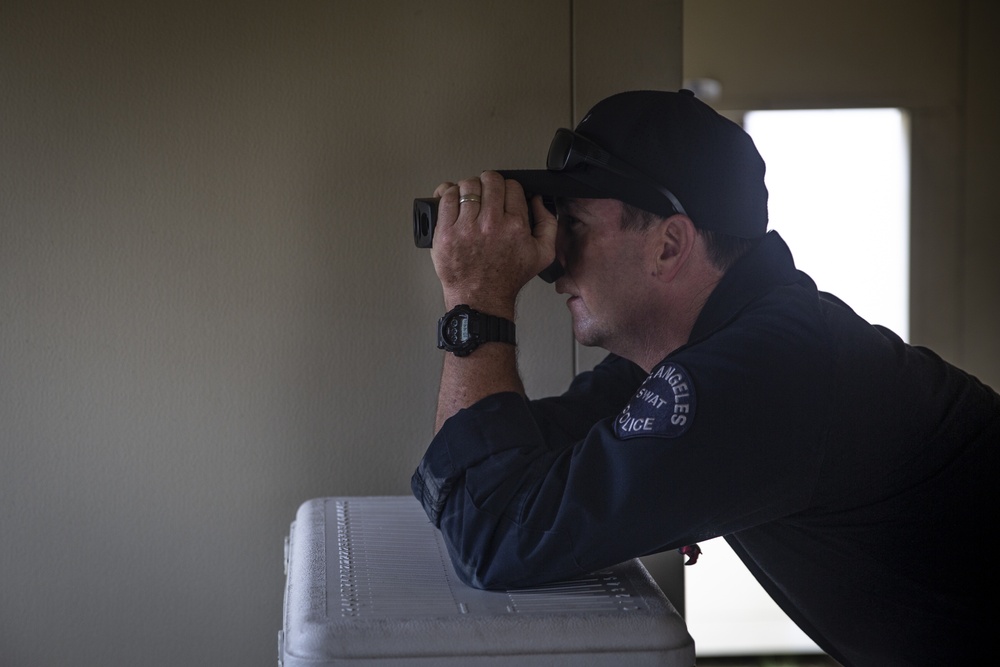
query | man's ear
(673,239)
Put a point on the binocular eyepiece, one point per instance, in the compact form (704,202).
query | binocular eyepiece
(425,218)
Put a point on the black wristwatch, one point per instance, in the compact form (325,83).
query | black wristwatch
(463,329)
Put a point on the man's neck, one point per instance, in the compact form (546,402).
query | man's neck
(676,322)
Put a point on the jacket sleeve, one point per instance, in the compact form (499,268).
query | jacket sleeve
(538,428)
(621,466)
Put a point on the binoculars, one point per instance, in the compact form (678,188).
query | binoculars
(425,218)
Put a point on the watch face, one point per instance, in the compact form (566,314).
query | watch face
(456,329)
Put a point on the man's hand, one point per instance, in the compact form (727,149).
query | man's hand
(484,251)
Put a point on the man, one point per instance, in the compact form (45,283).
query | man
(852,473)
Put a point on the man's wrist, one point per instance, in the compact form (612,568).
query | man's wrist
(489,305)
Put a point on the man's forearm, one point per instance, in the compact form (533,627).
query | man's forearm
(490,369)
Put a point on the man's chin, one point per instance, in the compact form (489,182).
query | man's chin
(585,329)
(585,336)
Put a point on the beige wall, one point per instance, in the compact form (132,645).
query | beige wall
(211,309)
(210,306)
(935,58)
(980,275)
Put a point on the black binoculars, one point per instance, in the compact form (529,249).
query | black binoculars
(425,218)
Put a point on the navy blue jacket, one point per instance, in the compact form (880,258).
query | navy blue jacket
(855,475)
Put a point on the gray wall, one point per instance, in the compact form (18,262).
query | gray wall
(211,309)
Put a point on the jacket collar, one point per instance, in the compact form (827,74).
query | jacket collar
(768,265)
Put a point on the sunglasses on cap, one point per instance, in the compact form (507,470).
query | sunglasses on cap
(570,150)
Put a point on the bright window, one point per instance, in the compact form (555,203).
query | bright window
(839,184)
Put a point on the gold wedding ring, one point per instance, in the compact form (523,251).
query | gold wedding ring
(465,198)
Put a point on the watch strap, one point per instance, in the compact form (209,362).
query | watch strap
(497,330)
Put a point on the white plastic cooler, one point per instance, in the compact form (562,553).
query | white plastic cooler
(369,582)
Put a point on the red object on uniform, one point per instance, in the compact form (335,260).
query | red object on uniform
(692,551)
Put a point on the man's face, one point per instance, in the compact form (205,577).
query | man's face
(607,273)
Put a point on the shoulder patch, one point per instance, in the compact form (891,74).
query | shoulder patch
(663,406)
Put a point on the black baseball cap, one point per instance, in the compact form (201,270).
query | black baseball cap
(663,152)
